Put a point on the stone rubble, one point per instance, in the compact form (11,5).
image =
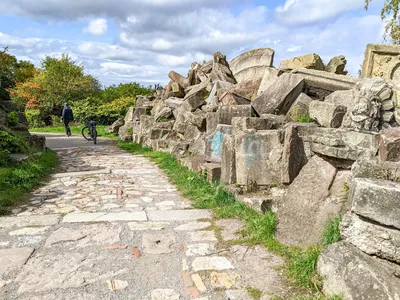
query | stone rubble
(288,137)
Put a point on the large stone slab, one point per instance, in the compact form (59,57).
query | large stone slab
(211,263)
(227,113)
(33,220)
(352,274)
(266,122)
(248,64)
(104,217)
(281,94)
(377,200)
(371,238)
(326,80)
(214,143)
(382,61)
(11,259)
(179,215)
(305,210)
(218,85)
(327,114)
(257,157)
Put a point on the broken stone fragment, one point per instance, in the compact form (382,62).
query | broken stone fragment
(230,98)
(270,75)
(337,65)
(181,80)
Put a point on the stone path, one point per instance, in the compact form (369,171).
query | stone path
(109,225)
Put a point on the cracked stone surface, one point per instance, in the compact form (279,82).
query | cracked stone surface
(74,238)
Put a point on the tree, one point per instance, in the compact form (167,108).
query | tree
(390,13)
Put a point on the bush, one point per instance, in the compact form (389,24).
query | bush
(12,118)
(11,143)
(35,118)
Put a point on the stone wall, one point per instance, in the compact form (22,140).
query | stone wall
(292,135)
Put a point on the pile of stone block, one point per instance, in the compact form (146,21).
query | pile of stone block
(294,132)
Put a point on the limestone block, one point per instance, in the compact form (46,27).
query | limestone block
(228,162)
(337,65)
(382,61)
(326,80)
(371,238)
(230,98)
(263,57)
(377,200)
(181,80)
(309,61)
(352,274)
(327,114)
(214,143)
(280,95)
(213,171)
(389,144)
(258,156)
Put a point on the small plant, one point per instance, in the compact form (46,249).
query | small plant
(331,232)
(130,130)
(12,118)
(304,119)
(254,293)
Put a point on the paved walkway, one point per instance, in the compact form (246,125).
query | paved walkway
(109,225)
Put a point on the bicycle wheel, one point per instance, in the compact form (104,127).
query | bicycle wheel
(94,136)
(86,133)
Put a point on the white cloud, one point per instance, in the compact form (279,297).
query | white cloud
(96,27)
(295,12)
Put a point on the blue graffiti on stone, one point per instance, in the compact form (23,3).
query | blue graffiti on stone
(216,145)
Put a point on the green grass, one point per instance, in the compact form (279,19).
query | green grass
(259,229)
(75,129)
(331,232)
(17,180)
(254,293)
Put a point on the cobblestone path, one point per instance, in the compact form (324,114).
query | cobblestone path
(109,225)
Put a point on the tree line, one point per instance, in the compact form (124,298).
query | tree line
(41,92)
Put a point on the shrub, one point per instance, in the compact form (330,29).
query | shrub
(12,118)
(10,143)
(35,118)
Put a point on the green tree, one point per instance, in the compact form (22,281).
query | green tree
(13,71)
(389,14)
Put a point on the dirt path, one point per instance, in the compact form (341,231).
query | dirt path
(109,225)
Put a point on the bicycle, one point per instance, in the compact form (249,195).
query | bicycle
(89,132)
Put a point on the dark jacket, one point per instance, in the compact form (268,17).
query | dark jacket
(67,114)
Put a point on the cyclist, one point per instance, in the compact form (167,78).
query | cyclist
(67,116)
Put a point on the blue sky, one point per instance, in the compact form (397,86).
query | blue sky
(131,40)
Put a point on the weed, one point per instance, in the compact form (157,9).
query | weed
(331,232)
(254,293)
(304,119)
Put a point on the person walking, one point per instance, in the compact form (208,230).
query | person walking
(67,116)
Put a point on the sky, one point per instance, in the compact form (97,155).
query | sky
(141,41)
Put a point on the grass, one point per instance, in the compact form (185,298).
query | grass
(304,119)
(254,293)
(331,232)
(75,129)
(260,228)
(16,180)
